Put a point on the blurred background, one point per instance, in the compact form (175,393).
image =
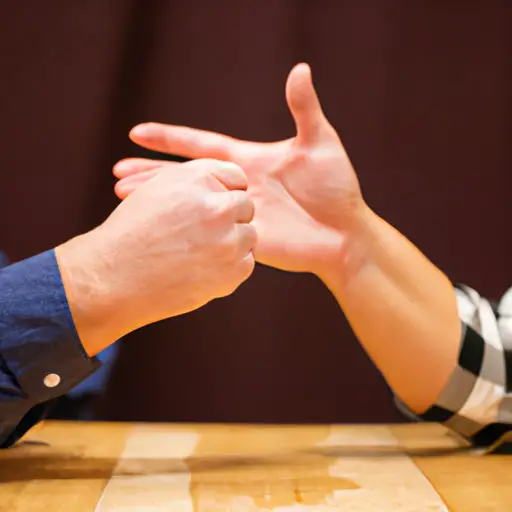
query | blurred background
(421,93)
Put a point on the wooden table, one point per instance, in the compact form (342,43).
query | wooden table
(105,467)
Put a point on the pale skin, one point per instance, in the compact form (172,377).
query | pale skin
(178,242)
(311,216)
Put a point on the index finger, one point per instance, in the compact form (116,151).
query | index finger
(183,141)
(229,174)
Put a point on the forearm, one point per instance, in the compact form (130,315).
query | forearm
(99,315)
(402,309)
(105,298)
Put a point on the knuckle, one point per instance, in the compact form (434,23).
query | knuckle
(239,270)
(220,175)
(242,271)
(225,249)
(246,267)
(231,248)
(249,263)
(209,180)
(202,176)
(229,202)
(202,168)
(211,166)
(229,166)
(234,171)
(236,199)
(211,209)
(252,234)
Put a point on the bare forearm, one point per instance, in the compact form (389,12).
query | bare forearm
(99,315)
(402,309)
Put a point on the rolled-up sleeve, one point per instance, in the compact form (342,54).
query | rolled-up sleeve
(41,356)
(476,403)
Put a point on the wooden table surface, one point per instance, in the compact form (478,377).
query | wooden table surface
(106,467)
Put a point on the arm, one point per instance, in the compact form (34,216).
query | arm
(398,302)
(180,242)
(311,216)
(439,347)
(41,355)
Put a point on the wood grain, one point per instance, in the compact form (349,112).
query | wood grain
(467,481)
(101,467)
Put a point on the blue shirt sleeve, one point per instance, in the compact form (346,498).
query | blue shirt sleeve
(41,356)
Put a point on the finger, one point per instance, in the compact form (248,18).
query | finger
(124,187)
(304,104)
(130,166)
(248,265)
(239,204)
(247,238)
(228,174)
(243,270)
(183,141)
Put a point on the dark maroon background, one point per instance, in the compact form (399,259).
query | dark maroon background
(420,91)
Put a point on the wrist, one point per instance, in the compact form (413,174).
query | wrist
(87,281)
(358,236)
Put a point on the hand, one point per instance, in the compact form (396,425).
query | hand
(311,216)
(305,191)
(180,240)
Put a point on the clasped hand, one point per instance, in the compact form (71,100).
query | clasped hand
(305,192)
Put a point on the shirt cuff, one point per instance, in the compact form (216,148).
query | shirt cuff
(472,402)
(41,355)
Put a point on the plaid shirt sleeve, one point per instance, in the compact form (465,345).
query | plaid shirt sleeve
(477,400)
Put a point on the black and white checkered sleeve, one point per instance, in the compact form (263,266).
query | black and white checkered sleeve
(477,400)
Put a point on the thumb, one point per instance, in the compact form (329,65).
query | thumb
(304,105)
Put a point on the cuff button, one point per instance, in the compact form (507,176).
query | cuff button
(52,380)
